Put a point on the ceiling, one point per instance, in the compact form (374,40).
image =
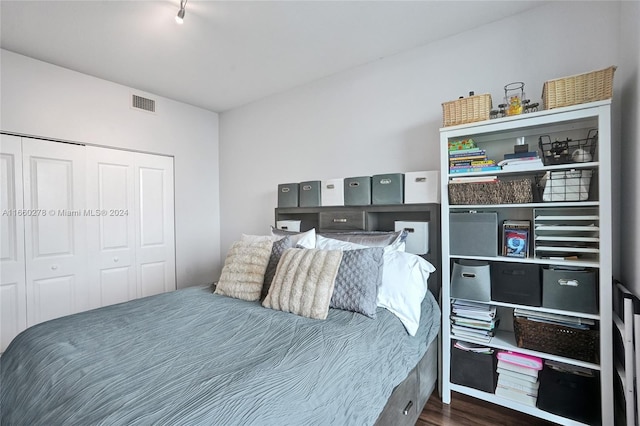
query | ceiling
(230,53)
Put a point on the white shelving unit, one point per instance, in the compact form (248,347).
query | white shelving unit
(498,137)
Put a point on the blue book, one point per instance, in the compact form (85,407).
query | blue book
(520,155)
(476,169)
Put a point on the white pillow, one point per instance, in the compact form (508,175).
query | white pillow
(404,285)
(324,243)
(305,239)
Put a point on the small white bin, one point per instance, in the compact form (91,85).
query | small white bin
(289,225)
(332,192)
(422,187)
(417,241)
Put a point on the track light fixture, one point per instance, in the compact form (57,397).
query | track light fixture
(180,15)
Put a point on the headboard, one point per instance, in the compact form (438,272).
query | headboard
(372,218)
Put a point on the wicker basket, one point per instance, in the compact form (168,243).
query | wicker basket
(578,89)
(514,191)
(557,339)
(466,110)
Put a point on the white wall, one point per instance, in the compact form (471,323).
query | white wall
(630,145)
(384,116)
(44,100)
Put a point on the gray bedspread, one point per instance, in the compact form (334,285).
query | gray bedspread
(191,357)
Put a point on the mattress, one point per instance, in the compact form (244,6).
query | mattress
(194,357)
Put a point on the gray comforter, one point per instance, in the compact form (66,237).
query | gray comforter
(192,357)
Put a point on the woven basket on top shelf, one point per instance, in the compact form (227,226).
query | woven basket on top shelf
(578,89)
(499,192)
(466,110)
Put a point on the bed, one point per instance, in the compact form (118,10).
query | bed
(196,357)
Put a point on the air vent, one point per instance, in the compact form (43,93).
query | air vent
(143,103)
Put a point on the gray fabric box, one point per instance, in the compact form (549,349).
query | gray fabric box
(471,280)
(357,191)
(473,234)
(570,290)
(387,188)
(310,193)
(288,195)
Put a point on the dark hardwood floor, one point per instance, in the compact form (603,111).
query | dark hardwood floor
(467,411)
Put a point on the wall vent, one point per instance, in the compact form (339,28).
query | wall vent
(143,103)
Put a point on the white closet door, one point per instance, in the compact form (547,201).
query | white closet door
(13,311)
(55,239)
(111,232)
(155,251)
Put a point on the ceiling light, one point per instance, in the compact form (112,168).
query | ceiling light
(180,15)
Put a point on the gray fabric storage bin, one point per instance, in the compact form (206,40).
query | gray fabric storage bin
(517,283)
(288,195)
(473,234)
(570,290)
(357,191)
(310,193)
(387,188)
(471,280)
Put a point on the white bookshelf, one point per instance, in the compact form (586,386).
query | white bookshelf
(497,137)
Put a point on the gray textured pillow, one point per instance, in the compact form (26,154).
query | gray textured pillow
(243,271)
(369,238)
(276,253)
(359,276)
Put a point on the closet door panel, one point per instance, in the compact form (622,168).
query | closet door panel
(155,250)
(13,312)
(111,231)
(55,234)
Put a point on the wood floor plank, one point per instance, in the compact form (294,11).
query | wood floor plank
(468,411)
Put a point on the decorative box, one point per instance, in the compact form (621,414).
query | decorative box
(288,195)
(357,191)
(422,187)
(387,188)
(332,192)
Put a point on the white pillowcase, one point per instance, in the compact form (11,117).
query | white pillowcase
(404,286)
(324,243)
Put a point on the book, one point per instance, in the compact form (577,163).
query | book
(523,165)
(514,368)
(471,330)
(531,389)
(567,319)
(517,382)
(525,154)
(476,169)
(528,361)
(481,324)
(472,347)
(517,375)
(474,179)
(515,238)
(515,396)
(471,336)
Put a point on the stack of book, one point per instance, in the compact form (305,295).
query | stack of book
(564,320)
(521,161)
(518,377)
(469,159)
(471,320)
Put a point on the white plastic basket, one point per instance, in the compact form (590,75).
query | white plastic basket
(567,185)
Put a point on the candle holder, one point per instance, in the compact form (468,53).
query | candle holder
(514,98)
